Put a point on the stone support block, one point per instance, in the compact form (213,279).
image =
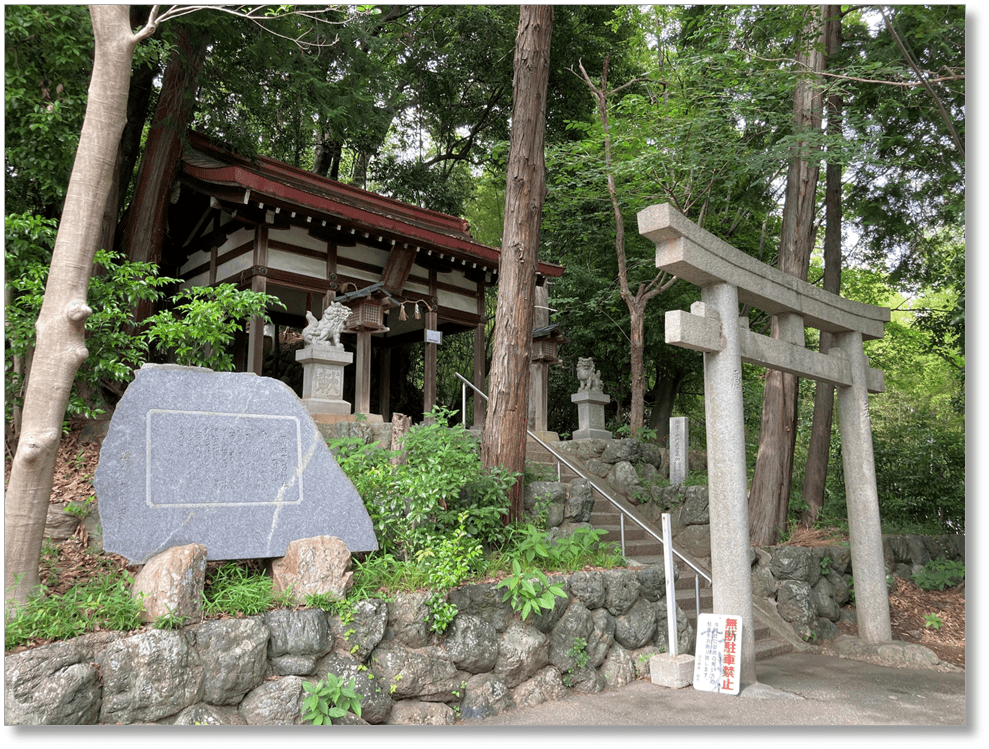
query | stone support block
(675,672)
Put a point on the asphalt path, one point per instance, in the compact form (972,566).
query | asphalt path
(795,689)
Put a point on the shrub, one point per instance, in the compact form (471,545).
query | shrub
(198,327)
(440,487)
(939,574)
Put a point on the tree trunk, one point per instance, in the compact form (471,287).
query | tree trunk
(144,224)
(637,315)
(504,437)
(138,103)
(636,303)
(769,499)
(60,327)
(326,158)
(818,452)
(663,396)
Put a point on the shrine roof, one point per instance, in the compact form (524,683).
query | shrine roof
(270,183)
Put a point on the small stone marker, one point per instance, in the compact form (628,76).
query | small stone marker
(229,460)
(718,655)
(679,455)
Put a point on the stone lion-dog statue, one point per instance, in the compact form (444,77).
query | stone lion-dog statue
(589,378)
(329,327)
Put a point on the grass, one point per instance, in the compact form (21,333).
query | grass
(104,602)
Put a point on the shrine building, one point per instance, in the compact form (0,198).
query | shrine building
(410,275)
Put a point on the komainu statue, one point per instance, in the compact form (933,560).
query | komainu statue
(329,327)
(589,378)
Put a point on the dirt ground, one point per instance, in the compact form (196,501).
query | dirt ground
(909,605)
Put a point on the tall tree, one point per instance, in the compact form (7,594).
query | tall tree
(637,302)
(60,328)
(818,452)
(769,498)
(504,438)
(143,227)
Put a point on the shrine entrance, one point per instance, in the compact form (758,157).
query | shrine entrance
(727,276)
(410,275)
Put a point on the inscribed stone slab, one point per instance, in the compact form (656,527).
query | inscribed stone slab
(229,460)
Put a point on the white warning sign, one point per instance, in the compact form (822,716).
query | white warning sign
(718,656)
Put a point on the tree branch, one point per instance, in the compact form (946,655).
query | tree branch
(927,86)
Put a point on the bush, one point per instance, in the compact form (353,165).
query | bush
(440,487)
(939,574)
(199,327)
(114,352)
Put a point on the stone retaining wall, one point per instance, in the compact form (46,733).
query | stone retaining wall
(251,670)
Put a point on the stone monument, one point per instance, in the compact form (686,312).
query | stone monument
(323,359)
(229,460)
(679,451)
(590,400)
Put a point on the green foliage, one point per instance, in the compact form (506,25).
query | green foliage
(939,574)
(440,486)
(330,699)
(114,352)
(82,509)
(104,602)
(47,62)
(199,328)
(529,592)
(577,651)
(445,566)
(534,547)
(169,621)
(933,621)
(234,590)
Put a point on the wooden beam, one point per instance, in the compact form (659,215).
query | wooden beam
(396,270)
(429,365)
(362,383)
(255,341)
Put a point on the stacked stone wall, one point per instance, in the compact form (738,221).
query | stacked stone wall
(252,670)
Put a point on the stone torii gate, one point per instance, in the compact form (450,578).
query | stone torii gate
(727,276)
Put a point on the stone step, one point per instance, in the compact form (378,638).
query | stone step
(641,548)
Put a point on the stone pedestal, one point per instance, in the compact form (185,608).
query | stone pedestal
(322,378)
(590,415)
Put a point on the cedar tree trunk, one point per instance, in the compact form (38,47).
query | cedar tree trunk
(504,436)
(144,225)
(769,499)
(816,474)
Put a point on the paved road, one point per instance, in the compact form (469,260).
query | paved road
(793,689)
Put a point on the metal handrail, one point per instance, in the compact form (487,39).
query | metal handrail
(623,513)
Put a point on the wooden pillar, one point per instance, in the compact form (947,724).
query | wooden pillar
(255,330)
(429,366)
(331,275)
(479,349)
(362,384)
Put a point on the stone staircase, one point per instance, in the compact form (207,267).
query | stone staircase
(642,548)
